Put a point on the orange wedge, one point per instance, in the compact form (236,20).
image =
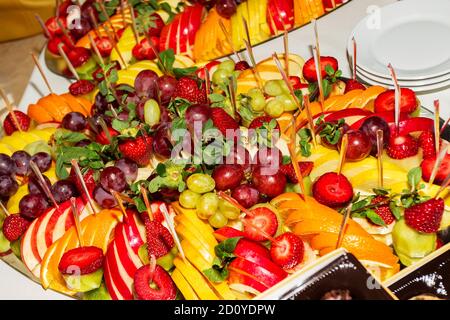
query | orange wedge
(346,100)
(39,114)
(53,107)
(73,103)
(366,96)
(314,226)
(87,105)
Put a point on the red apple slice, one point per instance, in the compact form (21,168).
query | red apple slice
(226,233)
(280,15)
(244,284)
(247,248)
(259,273)
(26,250)
(117,279)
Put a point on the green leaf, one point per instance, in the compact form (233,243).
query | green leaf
(327,87)
(216,275)
(113,76)
(181,72)
(60,169)
(286,160)
(414,176)
(161,169)
(63,136)
(375,218)
(167,60)
(396,211)
(120,125)
(226,248)
(380,192)
(329,70)
(360,204)
(216,97)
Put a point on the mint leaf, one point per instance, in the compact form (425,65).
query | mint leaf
(63,136)
(396,211)
(226,248)
(414,176)
(375,218)
(216,275)
(286,160)
(329,70)
(181,72)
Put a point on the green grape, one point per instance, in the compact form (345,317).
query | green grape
(207,205)
(188,199)
(152,112)
(274,108)
(273,88)
(201,183)
(220,76)
(218,220)
(287,101)
(283,86)
(228,210)
(227,65)
(258,100)
(38,146)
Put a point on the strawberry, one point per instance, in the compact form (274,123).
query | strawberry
(309,68)
(14,226)
(383,210)
(223,121)
(333,190)
(241,66)
(425,217)
(401,147)
(353,85)
(10,125)
(138,149)
(78,56)
(386,101)
(261,219)
(426,142)
(104,46)
(86,259)
(155,26)
(144,51)
(54,42)
(287,250)
(187,88)
(53,27)
(103,139)
(159,239)
(156,286)
(260,121)
(288,170)
(427,166)
(81,87)
(296,83)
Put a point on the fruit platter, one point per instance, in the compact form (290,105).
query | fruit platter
(162,179)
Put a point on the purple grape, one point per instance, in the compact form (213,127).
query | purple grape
(34,187)
(63,190)
(43,160)
(32,206)
(246,195)
(161,141)
(104,198)
(7,165)
(8,186)
(129,168)
(370,127)
(167,86)
(146,84)
(113,178)
(22,161)
(74,121)
(226,8)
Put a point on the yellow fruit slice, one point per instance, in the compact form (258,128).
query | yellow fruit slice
(6,149)
(183,285)
(207,238)
(346,100)
(195,279)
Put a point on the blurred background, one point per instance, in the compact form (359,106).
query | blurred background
(20,34)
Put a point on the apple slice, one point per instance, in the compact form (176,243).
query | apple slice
(243,283)
(257,272)
(280,15)
(247,249)
(226,233)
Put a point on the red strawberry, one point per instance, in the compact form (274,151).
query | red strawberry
(10,125)
(296,83)
(353,85)
(223,121)
(386,101)
(155,26)
(53,27)
(103,139)
(261,219)
(309,68)
(241,66)
(263,120)
(81,87)
(138,149)
(161,287)
(78,56)
(425,217)
(287,250)
(104,46)
(54,42)
(426,142)
(14,227)
(144,51)
(383,210)
(401,147)
(87,259)
(187,88)
(288,170)
(333,190)
(159,239)
(442,173)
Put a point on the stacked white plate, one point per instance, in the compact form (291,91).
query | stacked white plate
(412,35)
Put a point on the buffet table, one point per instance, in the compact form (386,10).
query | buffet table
(334,30)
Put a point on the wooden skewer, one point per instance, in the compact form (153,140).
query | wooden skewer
(64,30)
(94,22)
(341,235)
(147,203)
(229,40)
(69,64)
(207,82)
(310,119)
(118,198)
(111,39)
(2,206)
(286,51)
(97,53)
(398,96)
(43,184)
(80,178)
(10,109)
(76,217)
(42,24)
(156,51)
(294,158)
(317,63)
(439,158)
(444,185)
(108,20)
(437,128)
(41,71)
(248,46)
(444,126)
(133,24)
(169,223)
(354,58)
(316,36)
(122,11)
(231,85)
(343,153)
(380,143)
(233,202)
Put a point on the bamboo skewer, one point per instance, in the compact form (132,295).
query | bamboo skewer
(317,63)
(2,206)
(111,39)
(10,109)
(80,178)
(398,96)
(286,52)
(41,71)
(43,184)
(342,153)
(42,24)
(229,40)
(69,64)
(380,143)
(76,217)
(437,128)
(345,218)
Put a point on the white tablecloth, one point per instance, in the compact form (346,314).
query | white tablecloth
(334,30)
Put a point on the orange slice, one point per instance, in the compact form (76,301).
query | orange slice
(73,103)
(39,114)
(366,96)
(346,100)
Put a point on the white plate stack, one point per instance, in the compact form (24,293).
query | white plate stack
(412,35)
